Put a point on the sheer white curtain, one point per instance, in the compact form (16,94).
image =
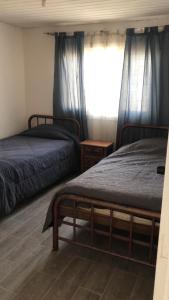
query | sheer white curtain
(103,63)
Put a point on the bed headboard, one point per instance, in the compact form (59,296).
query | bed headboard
(132,133)
(69,123)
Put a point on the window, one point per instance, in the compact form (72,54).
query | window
(103,63)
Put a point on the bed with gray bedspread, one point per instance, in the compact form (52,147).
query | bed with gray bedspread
(126,177)
(32,161)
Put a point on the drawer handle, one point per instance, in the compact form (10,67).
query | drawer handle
(94,150)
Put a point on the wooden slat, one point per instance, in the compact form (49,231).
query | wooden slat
(151,241)
(92,224)
(130,235)
(115,236)
(104,220)
(74,220)
(110,228)
(120,208)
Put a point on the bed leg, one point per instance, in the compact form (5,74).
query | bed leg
(55,239)
(55,229)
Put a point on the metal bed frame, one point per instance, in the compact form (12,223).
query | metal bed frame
(127,231)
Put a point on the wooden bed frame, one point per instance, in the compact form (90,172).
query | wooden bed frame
(36,120)
(115,229)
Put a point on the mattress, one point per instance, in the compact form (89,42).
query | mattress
(120,216)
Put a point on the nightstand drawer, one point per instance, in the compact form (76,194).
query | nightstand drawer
(93,151)
(88,163)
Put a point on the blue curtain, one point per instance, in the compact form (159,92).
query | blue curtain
(164,77)
(68,96)
(144,95)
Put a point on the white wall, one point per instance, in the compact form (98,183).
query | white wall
(39,66)
(161,290)
(12,82)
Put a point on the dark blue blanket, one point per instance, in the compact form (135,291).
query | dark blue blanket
(29,163)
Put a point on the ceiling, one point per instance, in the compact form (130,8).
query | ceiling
(31,13)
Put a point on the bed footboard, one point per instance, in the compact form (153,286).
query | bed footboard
(140,229)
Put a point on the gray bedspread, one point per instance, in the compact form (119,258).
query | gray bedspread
(30,163)
(128,177)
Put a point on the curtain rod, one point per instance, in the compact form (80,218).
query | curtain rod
(70,33)
(49,33)
(53,33)
(140,29)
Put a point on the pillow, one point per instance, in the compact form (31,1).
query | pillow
(147,146)
(51,132)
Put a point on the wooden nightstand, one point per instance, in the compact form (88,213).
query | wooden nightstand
(93,151)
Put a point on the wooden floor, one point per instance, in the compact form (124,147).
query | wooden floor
(29,270)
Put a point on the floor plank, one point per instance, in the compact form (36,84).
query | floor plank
(69,281)
(143,289)
(22,272)
(35,287)
(6,295)
(97,277)
(6,244)
(120,286)
(84,294)
(6,267)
